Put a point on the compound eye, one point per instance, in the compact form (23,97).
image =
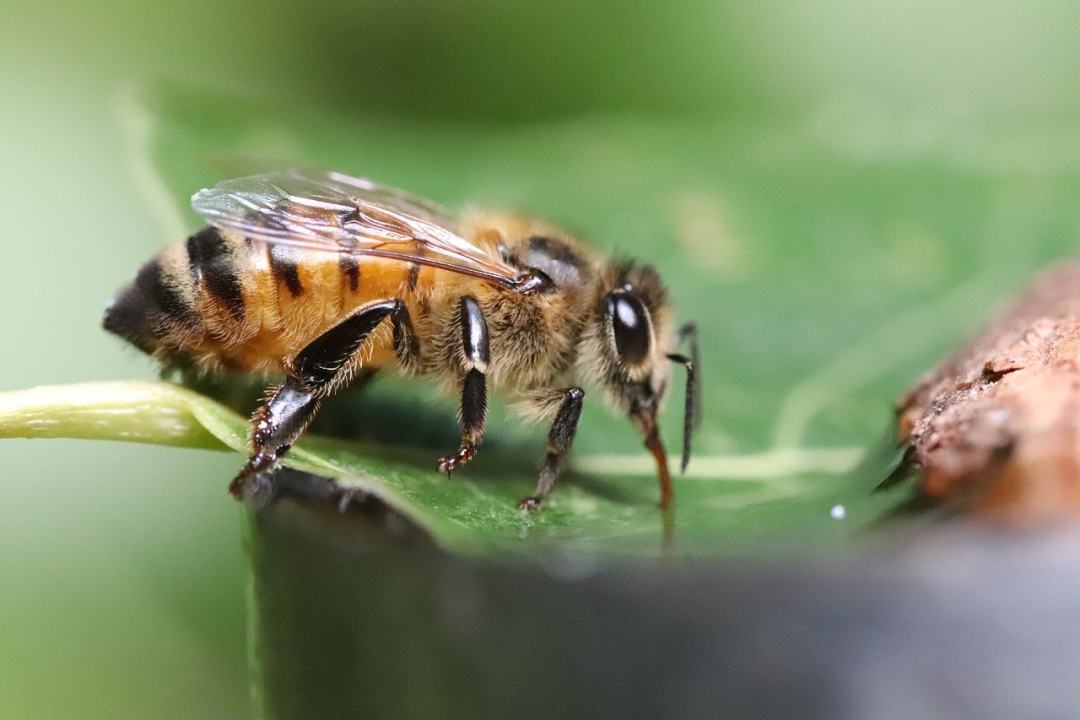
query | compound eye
(630,326)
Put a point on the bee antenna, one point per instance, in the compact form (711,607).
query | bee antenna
(690,411)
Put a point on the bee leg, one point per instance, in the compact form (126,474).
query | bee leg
(560,438)
(476,352)
(275,426)
(310,376)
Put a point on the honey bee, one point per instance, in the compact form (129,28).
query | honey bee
(318,276)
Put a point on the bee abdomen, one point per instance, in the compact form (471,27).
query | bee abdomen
(219,300)
(188,292)
(212,265)
(151,309)
(350,272)
(283,264)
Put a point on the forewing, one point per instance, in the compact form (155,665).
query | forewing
(335,212)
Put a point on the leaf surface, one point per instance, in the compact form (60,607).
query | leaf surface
(825,269)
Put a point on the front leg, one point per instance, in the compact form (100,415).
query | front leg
(560,438)
(475,356)
(313,374)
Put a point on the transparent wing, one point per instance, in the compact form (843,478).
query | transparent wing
(335,212)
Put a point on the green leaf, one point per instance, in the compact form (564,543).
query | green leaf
(607,503)
(825,264)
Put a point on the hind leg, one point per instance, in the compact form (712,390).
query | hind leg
(310,376)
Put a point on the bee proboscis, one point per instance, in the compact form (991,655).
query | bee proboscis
(315,276)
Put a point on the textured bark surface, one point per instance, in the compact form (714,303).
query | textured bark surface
(996,427)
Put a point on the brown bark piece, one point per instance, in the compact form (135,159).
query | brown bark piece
(996,427)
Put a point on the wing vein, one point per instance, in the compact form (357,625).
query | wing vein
(333,212)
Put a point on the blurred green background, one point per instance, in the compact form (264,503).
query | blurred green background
(122,567)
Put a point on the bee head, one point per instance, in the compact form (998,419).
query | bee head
(634,321)
(629,344)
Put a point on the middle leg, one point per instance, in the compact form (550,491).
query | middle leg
(475,357)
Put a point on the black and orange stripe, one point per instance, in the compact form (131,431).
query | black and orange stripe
(213,267)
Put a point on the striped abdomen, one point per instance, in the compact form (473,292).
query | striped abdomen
(221,301)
